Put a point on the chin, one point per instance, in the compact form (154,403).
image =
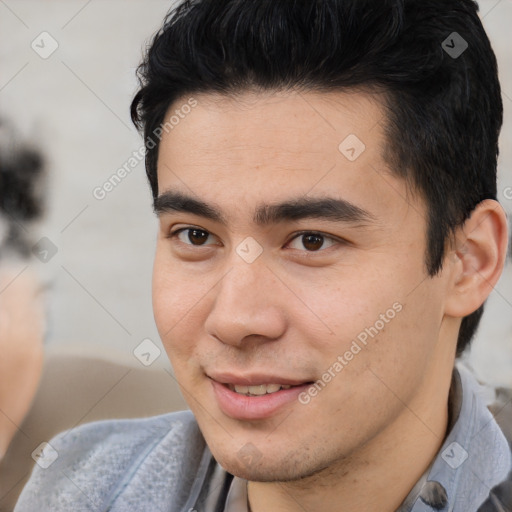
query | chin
(271,467)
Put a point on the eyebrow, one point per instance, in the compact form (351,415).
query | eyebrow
(327,208)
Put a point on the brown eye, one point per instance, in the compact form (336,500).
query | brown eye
(312,242)
(194,236)
(197,236)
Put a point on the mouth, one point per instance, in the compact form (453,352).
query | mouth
(255,397)
(260,390)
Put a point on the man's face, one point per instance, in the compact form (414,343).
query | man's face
(330,287)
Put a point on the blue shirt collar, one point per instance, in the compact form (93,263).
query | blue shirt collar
(474,458)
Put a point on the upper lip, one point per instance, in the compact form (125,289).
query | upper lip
(254,379)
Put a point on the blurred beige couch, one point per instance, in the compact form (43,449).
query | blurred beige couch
(76,390)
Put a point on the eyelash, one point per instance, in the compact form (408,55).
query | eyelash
(336,240)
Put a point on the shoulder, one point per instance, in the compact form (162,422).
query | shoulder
(500,496)
(87,467)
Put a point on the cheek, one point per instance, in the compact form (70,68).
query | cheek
(347,303)
(400,341)
(384,313)
(180,303)
(164,302)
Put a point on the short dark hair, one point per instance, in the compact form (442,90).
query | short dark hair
(444,110)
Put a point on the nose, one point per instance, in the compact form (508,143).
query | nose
(249,305)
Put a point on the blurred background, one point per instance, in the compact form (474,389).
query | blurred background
(73,104)
(67,76)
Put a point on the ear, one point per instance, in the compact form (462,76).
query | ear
(477,258)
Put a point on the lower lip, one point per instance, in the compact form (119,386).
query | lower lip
(242,407)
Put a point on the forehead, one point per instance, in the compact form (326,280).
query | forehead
(263,146)
(287,124)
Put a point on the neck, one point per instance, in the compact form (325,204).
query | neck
(380,475)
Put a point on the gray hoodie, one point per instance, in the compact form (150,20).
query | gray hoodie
(162,464)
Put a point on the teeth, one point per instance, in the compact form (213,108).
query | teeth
(260,390)
(270,388)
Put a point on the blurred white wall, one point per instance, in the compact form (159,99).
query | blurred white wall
(74,105)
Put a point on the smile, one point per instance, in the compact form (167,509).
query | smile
(250,399)
(260,390)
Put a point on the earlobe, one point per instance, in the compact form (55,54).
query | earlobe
(479,254)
